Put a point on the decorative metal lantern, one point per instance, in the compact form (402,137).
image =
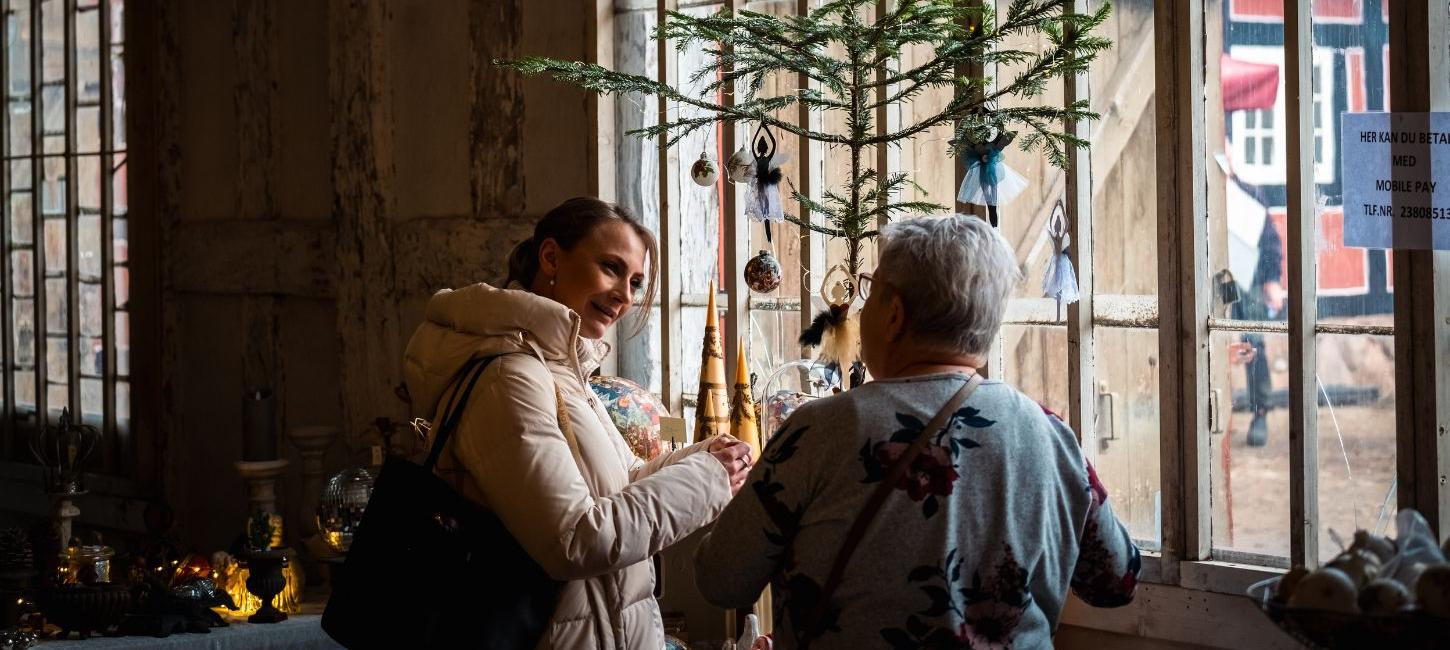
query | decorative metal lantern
(62,450)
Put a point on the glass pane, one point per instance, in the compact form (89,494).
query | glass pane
(88,178)
(22,217)
(93,405)
(1249,451)
(1128,427)
(22,273)
(118,25)
(92,357)
(1356,436)
(56,310)
(118,97)
(123,405)
(122,286)
(22,176)
(1036,360)
(52,102)
(88,129)
(57,397)
(57,360)
(52,20)
(118,190)
(88,56)
(1245,132)
(89,242)
(1125,169)
(24,390)
(53,197)
(20,127)
(1024,220)
(24,332)
(123,343)
(55,251)
(924,156)
(17,54)
(92,317)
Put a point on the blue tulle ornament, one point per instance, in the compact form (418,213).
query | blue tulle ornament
(988,180)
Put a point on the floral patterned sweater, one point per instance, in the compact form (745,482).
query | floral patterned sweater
(975,548)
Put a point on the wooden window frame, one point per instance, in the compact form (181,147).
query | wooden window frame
(1186,568)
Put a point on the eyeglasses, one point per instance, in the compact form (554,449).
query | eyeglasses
(863,284)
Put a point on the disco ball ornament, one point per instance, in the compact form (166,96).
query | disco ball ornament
(636,413)
(704,172)
(341,507)
(762,273)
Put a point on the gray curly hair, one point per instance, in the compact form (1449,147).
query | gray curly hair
(954,274)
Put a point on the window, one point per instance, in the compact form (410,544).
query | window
(66,338)
(1154,363)
(1257,134)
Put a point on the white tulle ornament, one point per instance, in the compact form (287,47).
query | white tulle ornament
(762,201)
(1060,280)
(988,180)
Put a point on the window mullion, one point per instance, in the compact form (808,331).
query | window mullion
(108,271)
(736,323)
(807,149)
(996,357)
(670,233)
(1182,266)
(37,189)
(1082,373)
(1418,74)
(1303,401)
(8,448)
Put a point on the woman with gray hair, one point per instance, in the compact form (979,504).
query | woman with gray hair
(877,523)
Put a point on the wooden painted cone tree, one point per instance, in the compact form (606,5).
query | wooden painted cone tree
(742,407)
(714,420)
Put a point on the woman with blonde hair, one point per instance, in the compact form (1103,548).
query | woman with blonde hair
(535,446)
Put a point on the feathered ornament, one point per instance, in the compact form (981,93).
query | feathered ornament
(763,202)
(988,180)
(1060,281)
(836,332)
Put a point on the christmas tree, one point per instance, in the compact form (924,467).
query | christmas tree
(866,73)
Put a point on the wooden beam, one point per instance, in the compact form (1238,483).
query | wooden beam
(496,114)
(735,325)
(1420,82)
(241,257)
(1303,400)
(1082,372)
(812,254)
(363,198)
(1182,262)
(671,288)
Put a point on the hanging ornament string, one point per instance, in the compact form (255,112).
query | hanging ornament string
(988,180)
(1060,281)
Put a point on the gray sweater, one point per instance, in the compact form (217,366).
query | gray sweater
(975,548)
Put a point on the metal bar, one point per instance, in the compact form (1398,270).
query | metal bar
(1282,327)
(1182,262)
(1420,82)
(7,294)
(121,440)
(1303,399)
(1081,373)
(670,343)
(37,189)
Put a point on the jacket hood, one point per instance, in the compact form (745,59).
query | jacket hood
(485,321)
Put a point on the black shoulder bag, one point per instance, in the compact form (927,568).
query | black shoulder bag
(429,568)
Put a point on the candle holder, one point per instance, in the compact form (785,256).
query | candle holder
(261,478)
(312,443)
(265,581)
(62,450)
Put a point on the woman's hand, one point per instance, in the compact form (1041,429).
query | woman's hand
(734,455)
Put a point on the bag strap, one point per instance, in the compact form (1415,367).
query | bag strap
(454,411)
(874,503)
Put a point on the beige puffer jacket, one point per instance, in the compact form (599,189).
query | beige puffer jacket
(594,523)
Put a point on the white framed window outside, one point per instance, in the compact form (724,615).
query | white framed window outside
(1258,135)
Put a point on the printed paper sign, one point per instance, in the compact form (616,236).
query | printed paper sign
(1396,180)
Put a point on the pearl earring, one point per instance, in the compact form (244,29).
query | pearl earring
(551,282)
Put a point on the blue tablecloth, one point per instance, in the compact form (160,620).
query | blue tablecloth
(301,632)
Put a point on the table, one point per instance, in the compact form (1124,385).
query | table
(300,631)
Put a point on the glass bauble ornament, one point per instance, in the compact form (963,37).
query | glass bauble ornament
(635,411)
(340,509)
(704,172)
(763,273)
(741,166)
